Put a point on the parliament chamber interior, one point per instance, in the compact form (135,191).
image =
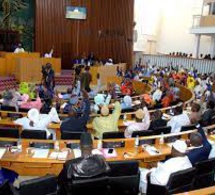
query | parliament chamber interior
(107,97)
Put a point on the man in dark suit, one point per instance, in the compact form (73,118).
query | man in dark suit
(201,146)
(208,114)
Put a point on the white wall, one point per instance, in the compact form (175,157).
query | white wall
(168,23)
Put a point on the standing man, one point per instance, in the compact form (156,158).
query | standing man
(86,78)
(50,75)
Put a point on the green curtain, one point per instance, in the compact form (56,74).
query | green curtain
(18,15)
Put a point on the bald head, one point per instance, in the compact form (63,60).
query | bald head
(196,139)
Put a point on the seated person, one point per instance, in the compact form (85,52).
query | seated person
(160,175)
(178,120)
(157,120)
(107,122)
(31,104)
(126,87)
(86,166)
(75,123)
(200,146)
(101,100)
(157,95)
(109,62)
(126,102)
(73,103)
(7,98)
(167,100)
(195,114)
(37,121)
(49,55)
(19,49)
(141,123)
(6,174)
(208,114)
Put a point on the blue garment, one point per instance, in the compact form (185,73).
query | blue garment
(6,174)
(77,124)
(202,153)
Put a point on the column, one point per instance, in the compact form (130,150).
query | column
(212,46)
(197,45)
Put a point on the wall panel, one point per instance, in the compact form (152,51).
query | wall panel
(107,31)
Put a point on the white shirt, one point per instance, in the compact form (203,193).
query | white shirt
(176,122)
(160,175)
(19,50)
(44,121)
(137,126)
(157,95)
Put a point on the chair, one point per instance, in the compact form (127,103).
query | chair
(124,177)
(142,133)
(6,188)
(9,132)
(33,134)
(113,135)
(46,185)
(204,173)
(188,127)
(95,186)
(162,130)
(8,108)
(71,135)
(179,182)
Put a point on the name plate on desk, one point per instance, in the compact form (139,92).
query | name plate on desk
(7,144)
(73,145)
(120,144)
(41,145)
(146,141)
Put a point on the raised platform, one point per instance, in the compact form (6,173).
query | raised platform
(7,83)
(64,79)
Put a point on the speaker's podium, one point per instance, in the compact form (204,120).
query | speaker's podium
(29,69)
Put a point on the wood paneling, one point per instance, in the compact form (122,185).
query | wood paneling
(107,31)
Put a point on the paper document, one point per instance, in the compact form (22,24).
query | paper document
(151,150)
(109,155)
(62,155)
(2,151)
(53,155)
(77,153)
(59,155)
(41,153)
(97,151)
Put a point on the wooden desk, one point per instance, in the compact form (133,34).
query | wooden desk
(2,67)
(11,60)
(105,72)
(29,69)
(26,165)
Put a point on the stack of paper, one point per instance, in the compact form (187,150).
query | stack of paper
(2,151)
(59,155)
(41,153)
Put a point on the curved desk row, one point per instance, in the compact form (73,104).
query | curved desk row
(203,191)
(25,164)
